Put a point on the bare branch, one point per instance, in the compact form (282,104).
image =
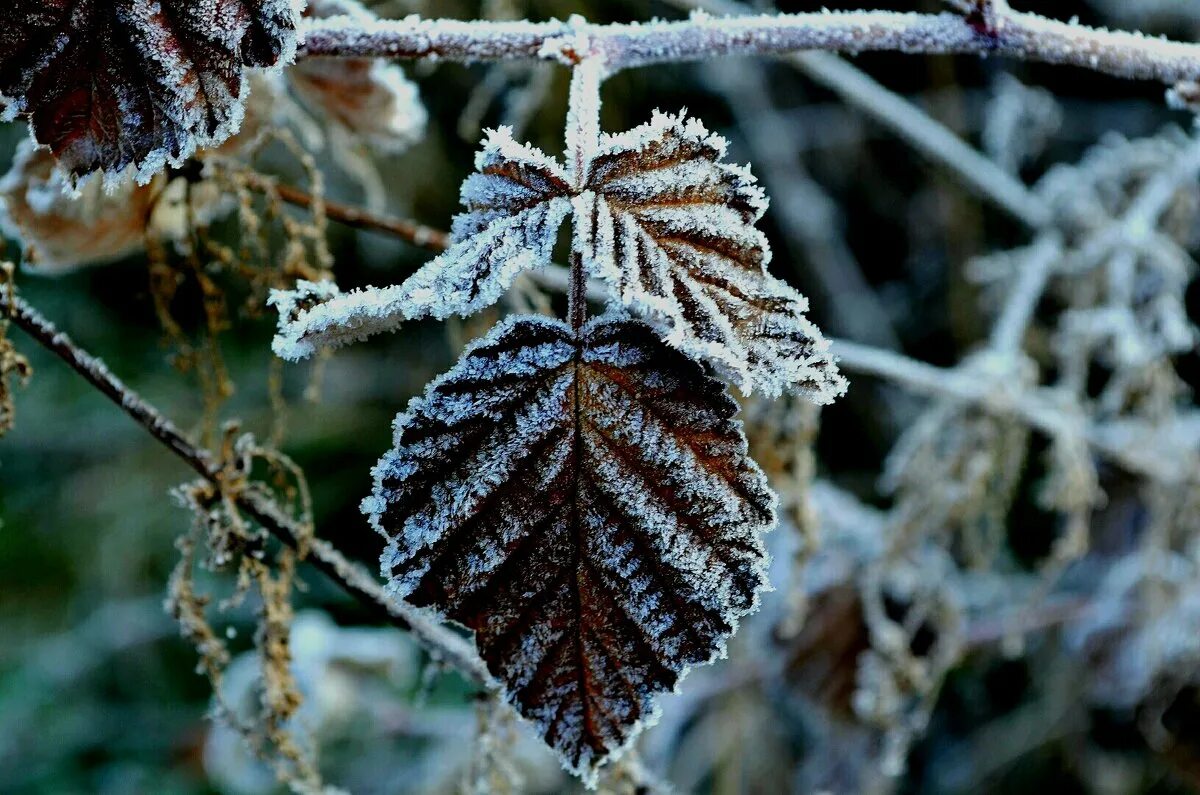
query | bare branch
(439,641)
(355,217)
(1000,32)
(1150,451)
(1014,320)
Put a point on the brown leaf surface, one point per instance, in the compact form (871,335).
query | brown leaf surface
(588,508)
(671,227)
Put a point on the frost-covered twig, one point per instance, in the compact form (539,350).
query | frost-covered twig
(913,125)
(1131,447)
(1013,34)
(441,643)
(1035,271)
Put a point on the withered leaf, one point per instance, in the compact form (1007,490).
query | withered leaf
(586,505)
(671,227)
(62,229)
(60,232)
(112,83)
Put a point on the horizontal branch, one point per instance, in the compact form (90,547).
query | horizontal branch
(1012,34)
(1152,451)
(354,217)
(352,578)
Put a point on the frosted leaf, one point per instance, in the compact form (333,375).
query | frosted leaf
(586,506)
(658,216)
(309,301)
(671,227)
(515,205)
(61,231)
(119,83)
(367,97)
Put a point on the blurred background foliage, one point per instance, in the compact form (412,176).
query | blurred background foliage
(98,693)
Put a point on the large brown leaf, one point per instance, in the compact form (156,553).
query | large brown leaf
(585,505)
(113,83)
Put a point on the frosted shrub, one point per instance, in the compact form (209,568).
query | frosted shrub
(578,492)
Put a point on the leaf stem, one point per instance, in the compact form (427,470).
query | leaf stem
(583,136)
(577,294)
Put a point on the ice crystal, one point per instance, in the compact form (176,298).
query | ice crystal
(136,83)
(586,505)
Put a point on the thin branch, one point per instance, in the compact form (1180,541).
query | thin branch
(352,578)
(1012,34)
(1009,332)
(1135,448)
(355,217)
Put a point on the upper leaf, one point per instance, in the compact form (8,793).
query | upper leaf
(585,505)
(112,83)
(671,227)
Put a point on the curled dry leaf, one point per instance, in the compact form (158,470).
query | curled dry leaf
(63,228)
(367,97)
(586,505)
(61,231)
(109,84)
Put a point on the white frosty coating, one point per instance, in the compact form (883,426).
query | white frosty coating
(306,298)
(176,84)
(1019,35)
(671,228)
(588,508)
(583,116)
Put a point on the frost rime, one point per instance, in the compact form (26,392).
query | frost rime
(588,508)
